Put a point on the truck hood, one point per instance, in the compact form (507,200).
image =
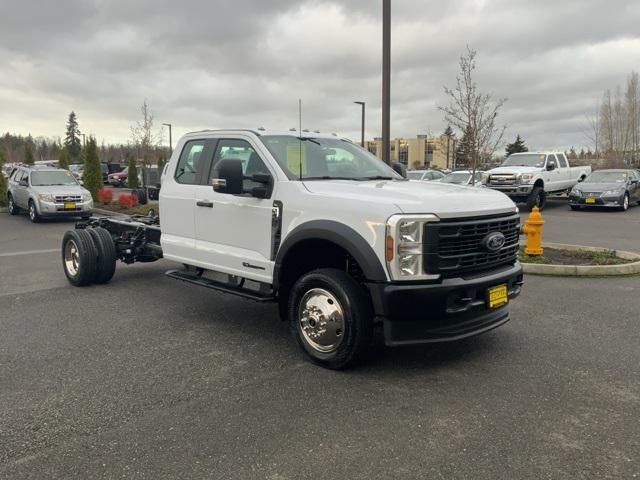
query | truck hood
(515,170)
(443,199)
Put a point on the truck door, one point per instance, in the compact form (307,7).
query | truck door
(233,232)
(552,180)
(177,199)
(566,175)
(21,192)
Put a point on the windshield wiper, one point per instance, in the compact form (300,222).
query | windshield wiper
(377,177)
(307,139)
(327,177)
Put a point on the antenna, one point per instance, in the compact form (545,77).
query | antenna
(300,138)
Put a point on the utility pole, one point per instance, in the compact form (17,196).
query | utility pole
(170,143)
(386,81)
(363,104)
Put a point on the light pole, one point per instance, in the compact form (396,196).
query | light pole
(170,144)
(363,104)
(386,81)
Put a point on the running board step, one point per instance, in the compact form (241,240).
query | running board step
(219,286)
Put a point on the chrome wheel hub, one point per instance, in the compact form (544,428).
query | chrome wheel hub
(32,211)
(321,320)
(71,258)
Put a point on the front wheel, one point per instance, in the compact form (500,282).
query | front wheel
(537,198)
(625,203)
(331,318)
(574,207)
(33,212)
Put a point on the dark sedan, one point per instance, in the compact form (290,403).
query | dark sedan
(607,188)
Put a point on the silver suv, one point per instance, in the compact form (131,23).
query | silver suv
(47,192)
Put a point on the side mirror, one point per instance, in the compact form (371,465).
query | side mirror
(230,177)
(551,166)
(400,169)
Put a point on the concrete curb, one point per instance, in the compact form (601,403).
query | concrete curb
(585,270)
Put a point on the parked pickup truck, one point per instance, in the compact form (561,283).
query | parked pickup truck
(529,177)
(346,247)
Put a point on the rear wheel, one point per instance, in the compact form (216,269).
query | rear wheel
(12,207)
(106,250)
(79,257)
(331,318)
(537,198)
(33,212)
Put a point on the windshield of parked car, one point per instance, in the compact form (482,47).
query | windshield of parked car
(415,175)
(525,160)
(52,177)
(607,177)
(325,159)
(459,178)
(76,167)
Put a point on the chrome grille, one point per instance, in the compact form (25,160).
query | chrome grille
(68,198)
(500,179)
(453,247)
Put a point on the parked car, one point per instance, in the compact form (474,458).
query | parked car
(47,192)
(462,177)
(326,230)
(529,177)
(118,179)
(77,169)
(425,175)
(617,188)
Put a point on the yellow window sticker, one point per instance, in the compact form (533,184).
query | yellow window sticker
(294,152)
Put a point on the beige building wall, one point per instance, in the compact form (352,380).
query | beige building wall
(418,152)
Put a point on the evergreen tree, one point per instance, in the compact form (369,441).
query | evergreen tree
(72,139)
(63,158)
(516,147)
(92,176)
(28,152)
(572,154)
(464,150)
(132,172)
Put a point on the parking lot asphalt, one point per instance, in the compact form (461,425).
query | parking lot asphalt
(150,378)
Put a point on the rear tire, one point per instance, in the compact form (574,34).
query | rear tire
(79,257)
(106,250)
(34,216)
(331,318)
(537,198)
(12,207)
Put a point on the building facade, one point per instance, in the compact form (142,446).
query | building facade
(419,152)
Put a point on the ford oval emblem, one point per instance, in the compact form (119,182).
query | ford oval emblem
(494,242)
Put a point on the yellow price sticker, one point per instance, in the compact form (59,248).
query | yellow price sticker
(294,161)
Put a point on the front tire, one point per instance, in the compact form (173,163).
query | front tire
(537,198)
(34,216)
(79,258)
(625,203)
(331,318)
(11,206)
(575,207)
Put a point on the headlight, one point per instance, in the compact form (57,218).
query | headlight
(576,191)
(47,197)
(404,246)
(526,177)
(86,196)
(614,192)
(485,178)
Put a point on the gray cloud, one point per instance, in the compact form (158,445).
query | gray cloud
(245,63)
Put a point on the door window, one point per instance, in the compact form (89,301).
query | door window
(562,161)
(190,162)
(552,159)
(241,150)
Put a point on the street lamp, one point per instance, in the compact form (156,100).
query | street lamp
(386,81)
(363,109)
(170,144)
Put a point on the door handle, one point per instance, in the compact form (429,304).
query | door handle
(204,203)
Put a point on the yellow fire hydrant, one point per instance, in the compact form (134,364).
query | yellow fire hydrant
(533,229)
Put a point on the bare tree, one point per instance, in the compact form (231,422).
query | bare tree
(473,112)
(592,128)
(143,138)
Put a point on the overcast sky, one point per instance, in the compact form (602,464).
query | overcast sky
(244,63)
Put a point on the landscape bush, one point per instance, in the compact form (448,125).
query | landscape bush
(127,200)
(105,196)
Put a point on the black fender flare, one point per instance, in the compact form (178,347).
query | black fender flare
(341,235)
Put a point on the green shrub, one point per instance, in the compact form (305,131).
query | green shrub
(92,175)
(3,189)
(132,172)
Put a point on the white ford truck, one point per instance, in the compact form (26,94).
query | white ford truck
(346,246)
(529,177)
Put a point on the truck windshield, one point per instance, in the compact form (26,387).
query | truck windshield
(52,177)
(525,160)
(458,178)
(309,158)
(607,177)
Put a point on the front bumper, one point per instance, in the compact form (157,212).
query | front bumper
(452,309)
(512,190)
(611,201)
(51,209)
